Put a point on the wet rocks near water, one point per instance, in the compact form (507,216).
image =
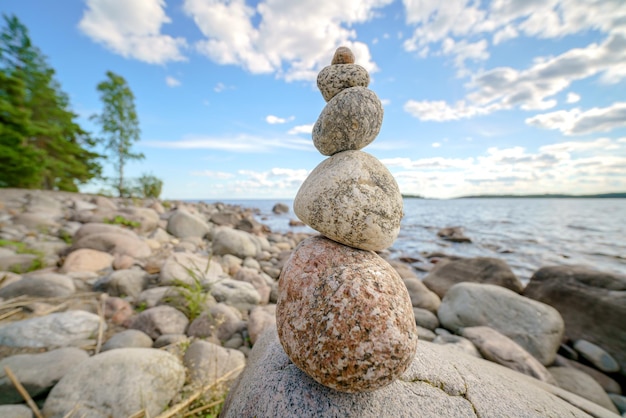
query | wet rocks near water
(343,314)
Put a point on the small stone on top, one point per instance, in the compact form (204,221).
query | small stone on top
(343,55)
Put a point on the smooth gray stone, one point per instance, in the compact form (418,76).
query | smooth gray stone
(456,342)
(208,362)
(128,338)
(183,224)
(425,318)
(583,385)
(160,320)
(46,286)
(597,356)
(240,295)
(232,241)
(53,330)
(15,411)
(37,372)
(619,401)
(117,383)
(441,382)
(535,326)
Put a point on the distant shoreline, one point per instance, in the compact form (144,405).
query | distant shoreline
(532,196)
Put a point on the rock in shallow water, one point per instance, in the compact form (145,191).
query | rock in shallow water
(353,199)
(344,316)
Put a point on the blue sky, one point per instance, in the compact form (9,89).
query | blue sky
(506,96)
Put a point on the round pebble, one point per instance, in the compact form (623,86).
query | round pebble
(353,199)
(343,55)
(335,78)
(344,316)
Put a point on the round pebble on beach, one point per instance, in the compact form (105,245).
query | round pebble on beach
(344,316)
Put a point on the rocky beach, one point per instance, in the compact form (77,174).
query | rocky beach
(120,307)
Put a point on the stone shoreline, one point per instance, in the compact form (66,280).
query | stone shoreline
(119,285)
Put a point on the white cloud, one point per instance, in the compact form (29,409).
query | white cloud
(578,122)
(276,181)
(436,144)
(385,102)
(440,111)
(240,143)
(572,97)
(577,167)
(292,39)
(301,129)
(272,120)
(172,82)
(132,29)
(221,175)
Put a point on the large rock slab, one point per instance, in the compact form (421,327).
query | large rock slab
(440,382)
(53,330)
(350,121)
(344,316)
(592,304)
(477,270)
(353,199)
(38,373)
(537,327)
(117,383)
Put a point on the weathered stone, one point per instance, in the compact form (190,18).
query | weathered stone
(280,208)
(48,285)
(124,283)
(353,199)
(113,240)
(86,259)
(343,55)
(236,293)
(129,338)
(478,270)
(207,363)
(54,330)
(117,383)
(160,320)
(261,318)
(502,350)
(336,78)
(256,279)
(188,268)
(535,326)
(350,121)
(184,224)
(596,356)
(344,316)
(458,343)
(15,411)
(220,320)
(583,385)
(421,296)
(592,304)
(453,234)
(37,372)
(231,241)
(441,382)
(425,318)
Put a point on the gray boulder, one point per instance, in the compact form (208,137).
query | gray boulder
(241,295)
(15,411)
(232,241)
(53,330)
(421,296)
(129,338)
(596,356)
(160,320)
(183,224)
(127,282)
(485,270)
(440,382)
(592,304)
(117,383)
(187,268)
(37,372)
(537,327)
(425,318)
(502,350)
(583,385)
(208,362)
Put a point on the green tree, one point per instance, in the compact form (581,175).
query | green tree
(54,151)
(119,123)
(150,186)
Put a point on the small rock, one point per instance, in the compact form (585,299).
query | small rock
(457,342)
(86,259)
(453,234)
(350,121)
(236,293)
(619,401)
(336,78)
(583,385)
(421,296)
(261,318)
(596,356)
(184,224)
(160,320)
(15,411)
(117,310)
(280,208)
(256,279)
(220,320)
(128,339)
(232,241)
(44,285)
(343,55)
(425,318)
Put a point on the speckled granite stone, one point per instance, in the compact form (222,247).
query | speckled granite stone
(335,78)
(344,316)
(343,55)
(350,121)
(353,199)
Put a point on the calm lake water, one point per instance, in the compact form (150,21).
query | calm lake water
(526,233)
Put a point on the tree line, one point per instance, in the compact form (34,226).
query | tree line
(42,145)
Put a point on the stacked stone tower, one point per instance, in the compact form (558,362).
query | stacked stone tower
(344,315)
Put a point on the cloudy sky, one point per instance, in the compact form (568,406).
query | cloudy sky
(480,97)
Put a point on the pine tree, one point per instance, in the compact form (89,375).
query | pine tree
(50,141)
(119,122)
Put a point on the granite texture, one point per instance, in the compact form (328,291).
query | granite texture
(353,199)
(344,316)
(343,55)
(350,121)
(335,78)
